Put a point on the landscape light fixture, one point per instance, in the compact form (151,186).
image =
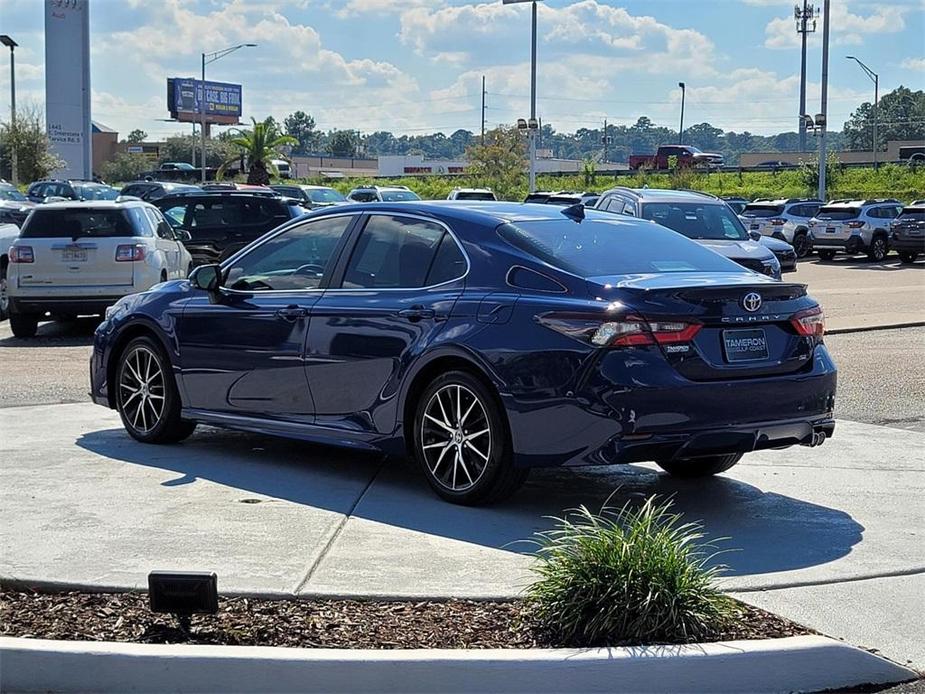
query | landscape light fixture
(183,594)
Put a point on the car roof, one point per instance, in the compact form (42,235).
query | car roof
(782,201)
(666,195)
(862,203)
(128,201)
(303,186)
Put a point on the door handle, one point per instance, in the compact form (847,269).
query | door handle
(292,313)
(416,313)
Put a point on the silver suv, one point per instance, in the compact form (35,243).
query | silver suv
(787,220)
(382,194)
(854,226)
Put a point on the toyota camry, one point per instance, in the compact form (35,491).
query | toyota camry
(479,338)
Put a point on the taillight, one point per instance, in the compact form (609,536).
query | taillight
(855,225)
(129,252)
(21,254)
(777,221)
(630,331)
(809,323)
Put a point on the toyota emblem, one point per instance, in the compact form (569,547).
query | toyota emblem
(751,302)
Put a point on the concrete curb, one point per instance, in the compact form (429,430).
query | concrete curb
(870,328)
(800,663)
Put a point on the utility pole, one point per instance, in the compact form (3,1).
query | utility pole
(875,78)
(14,163)
(604,140)
(825,98)
(806,23)
(206,59)
(681,127)
(483,110)
(533,104)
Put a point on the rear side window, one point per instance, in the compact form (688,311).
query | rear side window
(393,252)
(599,247)
(837,214)
(53,224)
(762,211)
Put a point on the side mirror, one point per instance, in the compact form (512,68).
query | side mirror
(755,235)
(207,277)
(183,235)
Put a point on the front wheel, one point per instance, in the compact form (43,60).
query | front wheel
(827,255)
(147,396)
(461,442)
(908,257)
(699,467)
(801,244)
(4,297)
(878,249)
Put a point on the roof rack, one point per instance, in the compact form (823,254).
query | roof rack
(916,202)
(875,201)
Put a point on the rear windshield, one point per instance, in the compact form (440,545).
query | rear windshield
(95,192)
(563,200)
(397,195)
(537,197)
(913,214)
(473,195)
(838,213)
(696,220)
(599,247)
(324,195)
(763,210)
(54,224)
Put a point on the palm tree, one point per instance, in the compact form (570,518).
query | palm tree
(259,147)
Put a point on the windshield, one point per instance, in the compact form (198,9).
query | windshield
(95,192)
(762,211)
(697,220)
(53,224)
(324,195)
(11,193)
(398,195)
(598,247)
(837,214)
(913,214)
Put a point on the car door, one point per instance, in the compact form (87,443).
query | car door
(389,298)
(166,242)
(241,348)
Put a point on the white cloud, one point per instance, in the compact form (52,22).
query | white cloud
(913,64)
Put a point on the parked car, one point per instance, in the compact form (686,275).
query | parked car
(687,156)
(481,340)
(908,233)
(312,196)
(471,194)
(14,206)
(153,190)
(283,167)
(242,187)
(854,226)
(568,198)
(699,216)
(382,194)
(736,203)
(70,190)
(221,222)
(784,219)
(783,251)
(76,258)
(8,234)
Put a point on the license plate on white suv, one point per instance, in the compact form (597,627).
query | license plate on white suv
(74,254)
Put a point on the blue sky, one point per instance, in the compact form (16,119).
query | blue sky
(413,66)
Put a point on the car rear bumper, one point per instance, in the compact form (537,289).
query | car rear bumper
(853,244)
(915,245)
(58,304)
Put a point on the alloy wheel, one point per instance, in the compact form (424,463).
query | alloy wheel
(456,437)
(879,249)
(801,245)
(142,391)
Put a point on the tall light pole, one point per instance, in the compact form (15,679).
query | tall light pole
(206,59)
(7,41)
(681,127)
(876,80)
(822,118)
(805,17)
(533,127)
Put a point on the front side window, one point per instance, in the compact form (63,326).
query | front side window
(696,220)
(294,260)
(396,253)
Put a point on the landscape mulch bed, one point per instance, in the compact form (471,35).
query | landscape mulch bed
(309,623)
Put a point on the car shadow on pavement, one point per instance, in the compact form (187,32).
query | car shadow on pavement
(767,531)
(891,263)
(63,333)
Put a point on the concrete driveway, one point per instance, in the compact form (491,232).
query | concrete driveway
(830,536)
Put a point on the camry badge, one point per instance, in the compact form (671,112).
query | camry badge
(751,302)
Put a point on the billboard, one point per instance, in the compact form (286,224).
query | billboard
(222,100)
(67,84)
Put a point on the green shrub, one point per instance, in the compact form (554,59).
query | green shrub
(629,575)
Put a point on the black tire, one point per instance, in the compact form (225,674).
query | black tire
(699,467)
(907,257)
(879,248)
(801,244)
(167,425)
(826,255)
(498,478)
(4,296)
(24,325)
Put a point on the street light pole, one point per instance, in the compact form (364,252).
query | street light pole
(681,128)
(876,80)
(822,118)
(533,104)
(7,41)
(206,59)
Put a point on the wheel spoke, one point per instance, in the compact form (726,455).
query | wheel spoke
(439,460)
(458,406)
(462,464)
(469,437)
(436,421)
(441,444)
(446,420)
(466,416)
(473,448)
(131,397)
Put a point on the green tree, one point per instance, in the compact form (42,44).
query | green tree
(900,116)
(301,126)
(124,167)
(35,158)
(500,161)
(259,147)
(342,144)
(136,136)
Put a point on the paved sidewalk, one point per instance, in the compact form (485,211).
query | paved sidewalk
(831,536)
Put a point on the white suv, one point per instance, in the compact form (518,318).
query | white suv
(786,220)
(80,257)
(471,194)
(382,194)
(854,226)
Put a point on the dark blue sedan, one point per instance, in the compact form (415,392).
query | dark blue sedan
(482,339)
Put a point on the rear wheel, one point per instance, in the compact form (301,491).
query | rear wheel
(827,255)
(4,297)
(461,442)
(147,396)
(878,249)
(801,244)
(24,324)
(908,257)
(700,467)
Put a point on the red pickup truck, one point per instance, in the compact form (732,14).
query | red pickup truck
(687,156)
